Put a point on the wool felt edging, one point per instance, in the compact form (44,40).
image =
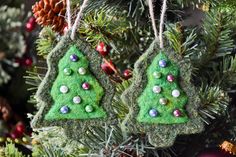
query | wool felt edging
(74,129)
(161,135)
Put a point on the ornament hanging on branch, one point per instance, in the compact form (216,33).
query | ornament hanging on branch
(163,102)
(80,93)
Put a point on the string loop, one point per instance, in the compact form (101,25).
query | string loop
(68,13)
(78,19)
(162,18)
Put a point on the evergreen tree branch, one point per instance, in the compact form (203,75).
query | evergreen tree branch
(182,41)
(214,102)
(11,151)
(46,41)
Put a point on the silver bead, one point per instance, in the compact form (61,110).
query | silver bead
(176,93)
(76,99)
(156,89)
(64,89)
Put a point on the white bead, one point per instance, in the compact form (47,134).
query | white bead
(64,89)
(82,71)
(76,99)
(176,93)
(156,89)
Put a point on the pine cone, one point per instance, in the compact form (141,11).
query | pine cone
(51,13)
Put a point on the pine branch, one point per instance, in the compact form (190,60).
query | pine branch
(34,77)
(54,143)
(119,107)
(50,151)
(215,43)
(214,102)
(216,35)
(10,151)
(182,41)
(226,75)
(46,41)
(116,30)
(109,141)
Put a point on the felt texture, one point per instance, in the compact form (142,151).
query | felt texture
(74,128)
(149,100)
(74,82)
(161,135)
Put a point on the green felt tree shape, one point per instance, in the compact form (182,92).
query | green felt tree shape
(162,101)
(76,93)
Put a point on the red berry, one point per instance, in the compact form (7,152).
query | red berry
(107,68)
(103,49)
(32,20)
(15,135)
(28,62)
(29,27)
(20,128)
(127,74)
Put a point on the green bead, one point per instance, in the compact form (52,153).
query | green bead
(89,108)
(157,74)
(67,71)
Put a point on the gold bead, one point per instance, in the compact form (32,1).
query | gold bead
(163,101)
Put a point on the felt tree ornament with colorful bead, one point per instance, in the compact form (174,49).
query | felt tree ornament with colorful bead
(75,93)
(162,101)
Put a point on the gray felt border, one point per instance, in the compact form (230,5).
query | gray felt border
(74,129)
(161,135)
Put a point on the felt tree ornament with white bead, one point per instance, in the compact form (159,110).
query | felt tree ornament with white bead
(162,101)
(75,93)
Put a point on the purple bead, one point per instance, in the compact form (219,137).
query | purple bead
(177,113)
(86,86)
(170,78)
(64,109)
(162,63)
(153,113)
(74,58)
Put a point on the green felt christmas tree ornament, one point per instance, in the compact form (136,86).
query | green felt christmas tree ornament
(162,100)
(75,93)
